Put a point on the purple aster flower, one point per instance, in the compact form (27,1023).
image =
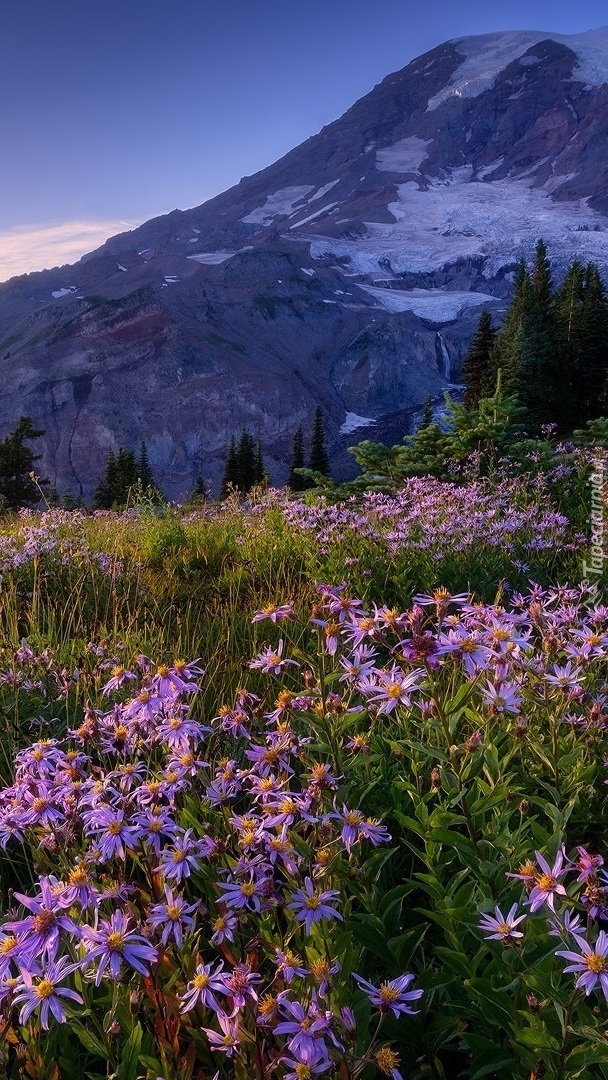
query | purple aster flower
(501,928)
(288,965)
(305,1070)
(223,929)
(178,861)
(309,905)
(306,1026)
(114,943)
(392,996)
(111,834)
(270,661)
(393,688)
(119,676)
(239,985)
(44,991)
(243,894)
(587,864)
(546,884)
(175,917)
(44,925)
(274,613)
(202,988)
(590,964)
(228,1041)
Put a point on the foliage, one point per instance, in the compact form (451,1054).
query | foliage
(18,486)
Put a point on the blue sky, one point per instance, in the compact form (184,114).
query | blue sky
(114,112)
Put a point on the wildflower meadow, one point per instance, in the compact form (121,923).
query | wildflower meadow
(305,788)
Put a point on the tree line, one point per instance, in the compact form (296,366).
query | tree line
(552,348)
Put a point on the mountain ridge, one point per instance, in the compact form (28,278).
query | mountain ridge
(350,272)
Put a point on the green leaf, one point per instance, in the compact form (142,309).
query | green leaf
(88,1040)
(127,1070)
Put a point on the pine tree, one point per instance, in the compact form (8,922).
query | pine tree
(126,476)
(230,477)
(259,475)
(318,461)
(426,416)
(245,455)
(144,472)
(103,496)
(592,371)
(477,364)
(506,352)
(296,482)
(17,488)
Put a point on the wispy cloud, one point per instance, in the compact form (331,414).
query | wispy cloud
(37,247)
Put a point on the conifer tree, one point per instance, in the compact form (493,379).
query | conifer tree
(426,416)
(103,496)
(590,374)
(477,364)
(296,482)
(230,478)
(17,488)
(507,349)
(259,475)
(144,472)
(318,461)
(245,462)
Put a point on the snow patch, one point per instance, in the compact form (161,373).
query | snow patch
(486,55)
(212,258)
(123,268)
(460,217)
(170,279)
(311,217)
(404,156)
(354,421)
(306,270)
(280,204)
(436,305)
(323,191)
(64,292)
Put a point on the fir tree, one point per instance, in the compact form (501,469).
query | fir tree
(296,482)
(477,364)
(230,477)
(426,416)
(259,475)
(17,486)
(144,472)
(103,496)
(591,372)
(318,461)
(245,462)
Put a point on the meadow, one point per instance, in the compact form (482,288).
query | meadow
(296,787)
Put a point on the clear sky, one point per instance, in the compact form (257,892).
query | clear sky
(114,111)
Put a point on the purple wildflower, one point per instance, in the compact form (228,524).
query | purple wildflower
(591,964)
(115,942)
(202,987)
(310,906)
(43,991)
(392,996)
(501,927)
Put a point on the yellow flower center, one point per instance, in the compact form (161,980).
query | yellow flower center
(116,941)
(8,944)
(503,928)
(386,1060)
(596,963)
(163,671)
(173,911)
(388,994)
(312,902)
(394,690)
(44,989)
(201,981)
(114,828)
(546,882)
(117,672)
(247,888)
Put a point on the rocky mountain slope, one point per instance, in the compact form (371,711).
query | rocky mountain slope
(351,272)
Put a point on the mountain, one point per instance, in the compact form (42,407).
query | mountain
(350,273)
